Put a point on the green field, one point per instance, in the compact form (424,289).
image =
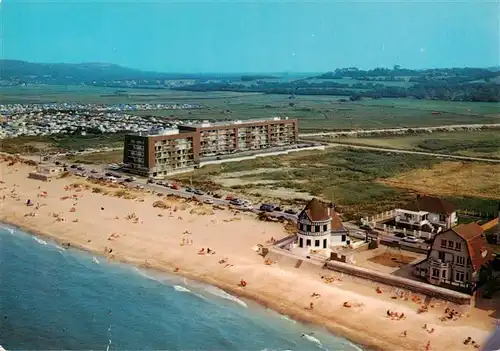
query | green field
(353,179)
(316,113)
(484,143)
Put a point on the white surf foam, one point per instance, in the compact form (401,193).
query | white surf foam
(287,318)
(40,241)
(142,273)
(10,230)
(224,295)
(181,288)
(95,260)
(311,339)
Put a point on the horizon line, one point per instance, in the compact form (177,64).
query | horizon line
(236,72)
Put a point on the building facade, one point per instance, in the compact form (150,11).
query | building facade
(168,152)
(223,138)
(455,257)
(160,154)
(319,227)
(427,213)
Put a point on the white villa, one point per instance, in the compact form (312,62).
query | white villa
(427,213)
(319,228)
(455,257)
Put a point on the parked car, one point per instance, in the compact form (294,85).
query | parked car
(73,166)
(290,211)
(93,171)
(266,208)
(198,192)
(217,196)
(277,209)
(150,181)
(174,186)
(129,179)
(208,201)
(410,239)
(189,190)
(236,202)
(400,235)
(229,197)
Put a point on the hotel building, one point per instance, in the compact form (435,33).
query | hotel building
(174,151)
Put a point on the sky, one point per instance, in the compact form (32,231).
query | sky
(253,36)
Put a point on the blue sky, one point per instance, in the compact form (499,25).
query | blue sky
(253,36)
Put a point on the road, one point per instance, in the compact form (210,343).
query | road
(398,130)
(182,192)
(400,151)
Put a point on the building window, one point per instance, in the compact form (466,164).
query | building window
(460,260)
(344,237)
(308,242)
(301,242)
(325,227)
(308,228)
(468,261)
(324,243)
(435,272)
(450,244)
(442,218)
(443,243)
(459,276)
(316,228)
(301,226)
(441,255)
(317,243)
(443,274)
(458,246)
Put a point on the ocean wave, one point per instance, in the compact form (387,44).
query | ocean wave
(40,241)
(10,230)
(285,317)
(224,295)
(183,289)
(147,276)
(312,339)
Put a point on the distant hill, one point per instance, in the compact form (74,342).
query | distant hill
(66,73)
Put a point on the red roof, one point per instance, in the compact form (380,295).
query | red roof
(431,204)
(316,211)
(477,245)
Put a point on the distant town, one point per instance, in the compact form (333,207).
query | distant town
(48,119)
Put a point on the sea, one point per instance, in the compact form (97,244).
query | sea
(53,298)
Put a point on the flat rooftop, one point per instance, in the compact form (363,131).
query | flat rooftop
(207,124)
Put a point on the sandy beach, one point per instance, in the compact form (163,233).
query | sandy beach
(125,226)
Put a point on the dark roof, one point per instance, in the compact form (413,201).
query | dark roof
(431,204)
(316,211)
(477,245)
(336,224)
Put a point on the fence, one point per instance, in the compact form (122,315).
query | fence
(404,283)
(418,233)
(472,213)
(378,217)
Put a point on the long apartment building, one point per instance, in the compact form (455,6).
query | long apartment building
(174,151)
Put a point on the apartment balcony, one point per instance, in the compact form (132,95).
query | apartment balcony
(437,263)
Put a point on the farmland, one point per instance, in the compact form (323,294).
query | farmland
(316,113)
(484,143)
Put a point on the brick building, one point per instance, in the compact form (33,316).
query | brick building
(174,151)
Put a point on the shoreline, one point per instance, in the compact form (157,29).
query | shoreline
(293,313)
(128,226)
